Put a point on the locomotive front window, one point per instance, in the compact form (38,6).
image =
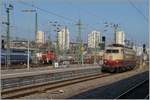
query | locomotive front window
(112,51)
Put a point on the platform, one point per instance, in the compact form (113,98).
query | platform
(10,80)
(43,70)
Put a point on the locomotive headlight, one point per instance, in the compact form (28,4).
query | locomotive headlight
(117,61)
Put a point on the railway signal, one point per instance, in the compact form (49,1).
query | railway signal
(102,44)
(144,48)
(3,44)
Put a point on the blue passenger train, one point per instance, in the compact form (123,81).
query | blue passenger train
(17,56)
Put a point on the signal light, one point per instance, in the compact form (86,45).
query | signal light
(144,48)
(103,38)
(3,44)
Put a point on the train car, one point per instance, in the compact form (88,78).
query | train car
(118,58)
(16,56)
(48,57)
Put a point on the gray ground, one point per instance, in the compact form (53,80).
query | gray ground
(74,91)
(113,90)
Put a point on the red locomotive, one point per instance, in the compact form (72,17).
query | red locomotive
(48,57)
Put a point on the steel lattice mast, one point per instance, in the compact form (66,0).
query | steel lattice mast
(10,7)
(79,44)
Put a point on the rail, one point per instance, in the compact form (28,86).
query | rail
(33,79)
(131,90)
(27,90)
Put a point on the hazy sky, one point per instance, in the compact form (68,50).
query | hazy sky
(93,14)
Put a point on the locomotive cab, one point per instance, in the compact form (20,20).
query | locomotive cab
(118,58)
(113,56)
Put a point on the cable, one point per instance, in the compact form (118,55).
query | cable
(52,13)
(63,17)
(49,12)
(132,4)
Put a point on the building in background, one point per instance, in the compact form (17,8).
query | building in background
(40,37)
(120,37)
(94,38)
(138,50)
(63,39)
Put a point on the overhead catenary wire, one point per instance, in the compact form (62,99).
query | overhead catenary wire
(46,11)
(49,12)
(139,11)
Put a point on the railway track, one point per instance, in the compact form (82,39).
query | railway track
(139,91)
(23,66)
(27,90)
